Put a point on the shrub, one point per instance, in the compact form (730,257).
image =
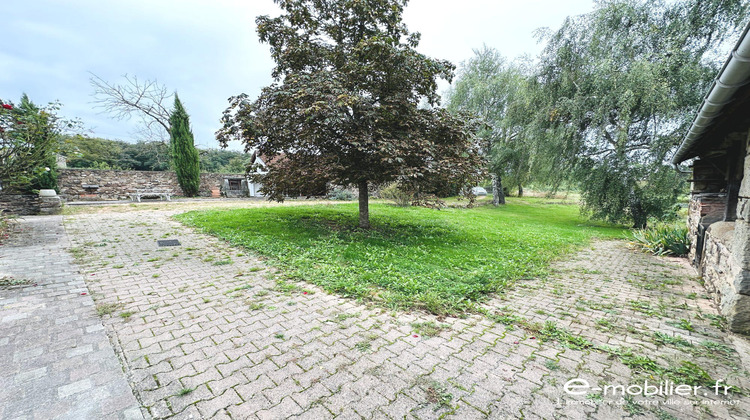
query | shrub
(29,139)
(662,240)
(398,194)
(340,194)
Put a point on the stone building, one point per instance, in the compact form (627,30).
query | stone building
(719,217)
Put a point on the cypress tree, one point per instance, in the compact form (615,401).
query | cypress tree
(184,154)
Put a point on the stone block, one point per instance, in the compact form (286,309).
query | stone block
(741,244)
(742,282)
(745,187)
(738,314)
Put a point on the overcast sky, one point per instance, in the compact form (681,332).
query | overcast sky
(208,51)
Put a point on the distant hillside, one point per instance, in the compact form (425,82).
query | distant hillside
(98,153)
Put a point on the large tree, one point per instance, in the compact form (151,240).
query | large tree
(496,90)
(344,107)
(185,158)
(618,88)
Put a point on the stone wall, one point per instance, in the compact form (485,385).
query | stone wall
(95,184)
(20,204)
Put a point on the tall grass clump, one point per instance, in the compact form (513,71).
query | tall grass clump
(662,240)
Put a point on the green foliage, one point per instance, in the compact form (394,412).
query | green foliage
(619,190)
(662,239)
(498,92)
(344,107)
(399,194)
(98,153)
(223,161)
(93,152)
(441,261)
(615,91)
(341,194)
(184,154)
(29,139)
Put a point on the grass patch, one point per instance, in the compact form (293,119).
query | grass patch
(413,258)
(438,394)
(11,282)
(662,338)
(429,329)
(126,315)
(106,308)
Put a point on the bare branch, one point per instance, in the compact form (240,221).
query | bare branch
(146,99)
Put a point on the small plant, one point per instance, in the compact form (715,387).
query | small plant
(551,365)
(255,306)
(343,317)
(280,336)
(126,315)
(185,391)
(106,308)
(604,324)
(682,323)
(438,394)
(363,346)
(662,338)
(662,240)
(10,282)
(717,347)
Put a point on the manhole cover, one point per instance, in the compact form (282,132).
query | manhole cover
(168,242)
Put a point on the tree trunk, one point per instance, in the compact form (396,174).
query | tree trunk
(497,190)
(364,206)
(640,218)
(520,190)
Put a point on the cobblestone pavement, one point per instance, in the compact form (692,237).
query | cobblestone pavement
(55,358)
(206,331)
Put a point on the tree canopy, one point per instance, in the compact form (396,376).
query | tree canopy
(609,99)
(344,107)
(497,91)
(620,86)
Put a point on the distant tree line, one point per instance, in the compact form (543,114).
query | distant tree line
(99,153)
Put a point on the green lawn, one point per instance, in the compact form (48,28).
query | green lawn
(442,261)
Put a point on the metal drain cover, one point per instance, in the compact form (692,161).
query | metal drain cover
(168,242)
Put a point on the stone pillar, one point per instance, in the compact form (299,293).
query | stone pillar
(49,202)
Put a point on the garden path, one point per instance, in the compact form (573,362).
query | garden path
(55,358)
